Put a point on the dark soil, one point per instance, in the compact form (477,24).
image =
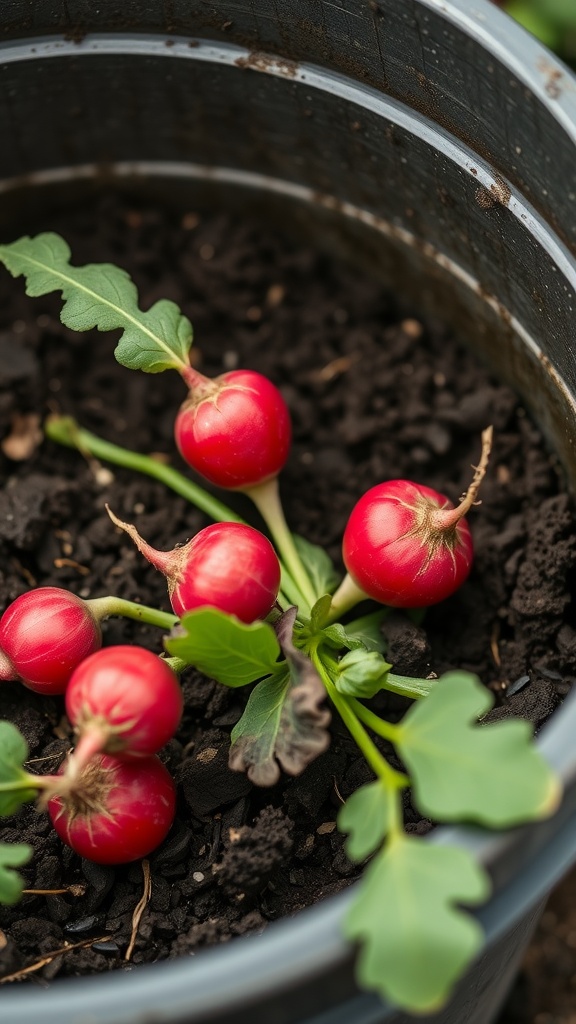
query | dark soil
(374,394)
(545,989)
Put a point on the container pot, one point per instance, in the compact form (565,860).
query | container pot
(432,142)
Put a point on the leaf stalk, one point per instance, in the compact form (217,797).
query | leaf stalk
(346,597)
(64,430)
(266,497)
(102,607)
(393,779)
(386,730)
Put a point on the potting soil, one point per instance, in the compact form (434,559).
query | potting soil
(374,393)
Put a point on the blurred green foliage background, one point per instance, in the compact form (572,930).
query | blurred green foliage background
(552,21)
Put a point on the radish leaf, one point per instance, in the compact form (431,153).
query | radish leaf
(463,770)
(365,816)
(15,783)
(103,296)
(224,648)
(12,855)
(284,723)
(415,941)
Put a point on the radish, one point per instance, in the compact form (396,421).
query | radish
(234,430)
(44,635)
(228,566)
(406,545)
(117,811)
(124,701)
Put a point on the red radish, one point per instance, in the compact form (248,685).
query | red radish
(228,566)
(44,635)
(406,545)
(124,701)
(234,430)
(118,811)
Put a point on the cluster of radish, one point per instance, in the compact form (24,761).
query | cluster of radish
(405,545)
(114,800)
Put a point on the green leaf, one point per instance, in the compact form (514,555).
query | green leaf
(103,296)
(15,786)
(361,674)
(283,726)
(319,613)
(415,941)
(365,816)
(366,630)
(337,637)
(285,723)
(319,566)
(223,647)
(12,855)
(254,737)
(300,667)
(462,770)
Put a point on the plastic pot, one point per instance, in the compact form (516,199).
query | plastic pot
(431,141)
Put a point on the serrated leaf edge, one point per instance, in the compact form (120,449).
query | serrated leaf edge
(88,291)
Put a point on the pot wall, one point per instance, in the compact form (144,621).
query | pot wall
(449,215)
(432,144)
(467,69)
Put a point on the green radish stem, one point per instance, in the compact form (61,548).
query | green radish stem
(266,497)
(102,607)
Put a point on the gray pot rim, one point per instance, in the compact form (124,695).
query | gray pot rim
(302,947)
